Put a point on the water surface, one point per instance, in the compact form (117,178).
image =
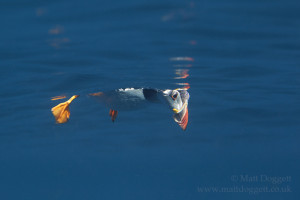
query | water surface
(239,58)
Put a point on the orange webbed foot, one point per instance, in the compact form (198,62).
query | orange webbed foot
(61,112)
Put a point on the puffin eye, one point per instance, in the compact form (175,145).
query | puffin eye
(174,96)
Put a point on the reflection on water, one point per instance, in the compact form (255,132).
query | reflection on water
(58,42)
(182,71)
(182,59)
(58,98)
(186,12)
(56,30)
(192,42)
(40,12)
(184,85)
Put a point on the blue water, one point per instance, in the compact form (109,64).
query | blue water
(242,63)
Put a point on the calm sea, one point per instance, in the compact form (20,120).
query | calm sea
(240,59)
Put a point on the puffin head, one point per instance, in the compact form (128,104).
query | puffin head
(178,101)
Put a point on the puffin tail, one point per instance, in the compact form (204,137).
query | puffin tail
(61,112)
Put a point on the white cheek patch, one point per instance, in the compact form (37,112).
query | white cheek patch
(179,102)
(174,103)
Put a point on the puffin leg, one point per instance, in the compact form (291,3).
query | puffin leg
(113,114)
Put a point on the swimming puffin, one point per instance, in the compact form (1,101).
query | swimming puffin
(134,98)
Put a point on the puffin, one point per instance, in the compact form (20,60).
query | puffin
(125,99)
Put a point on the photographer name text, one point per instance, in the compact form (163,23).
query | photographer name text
(261,179)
